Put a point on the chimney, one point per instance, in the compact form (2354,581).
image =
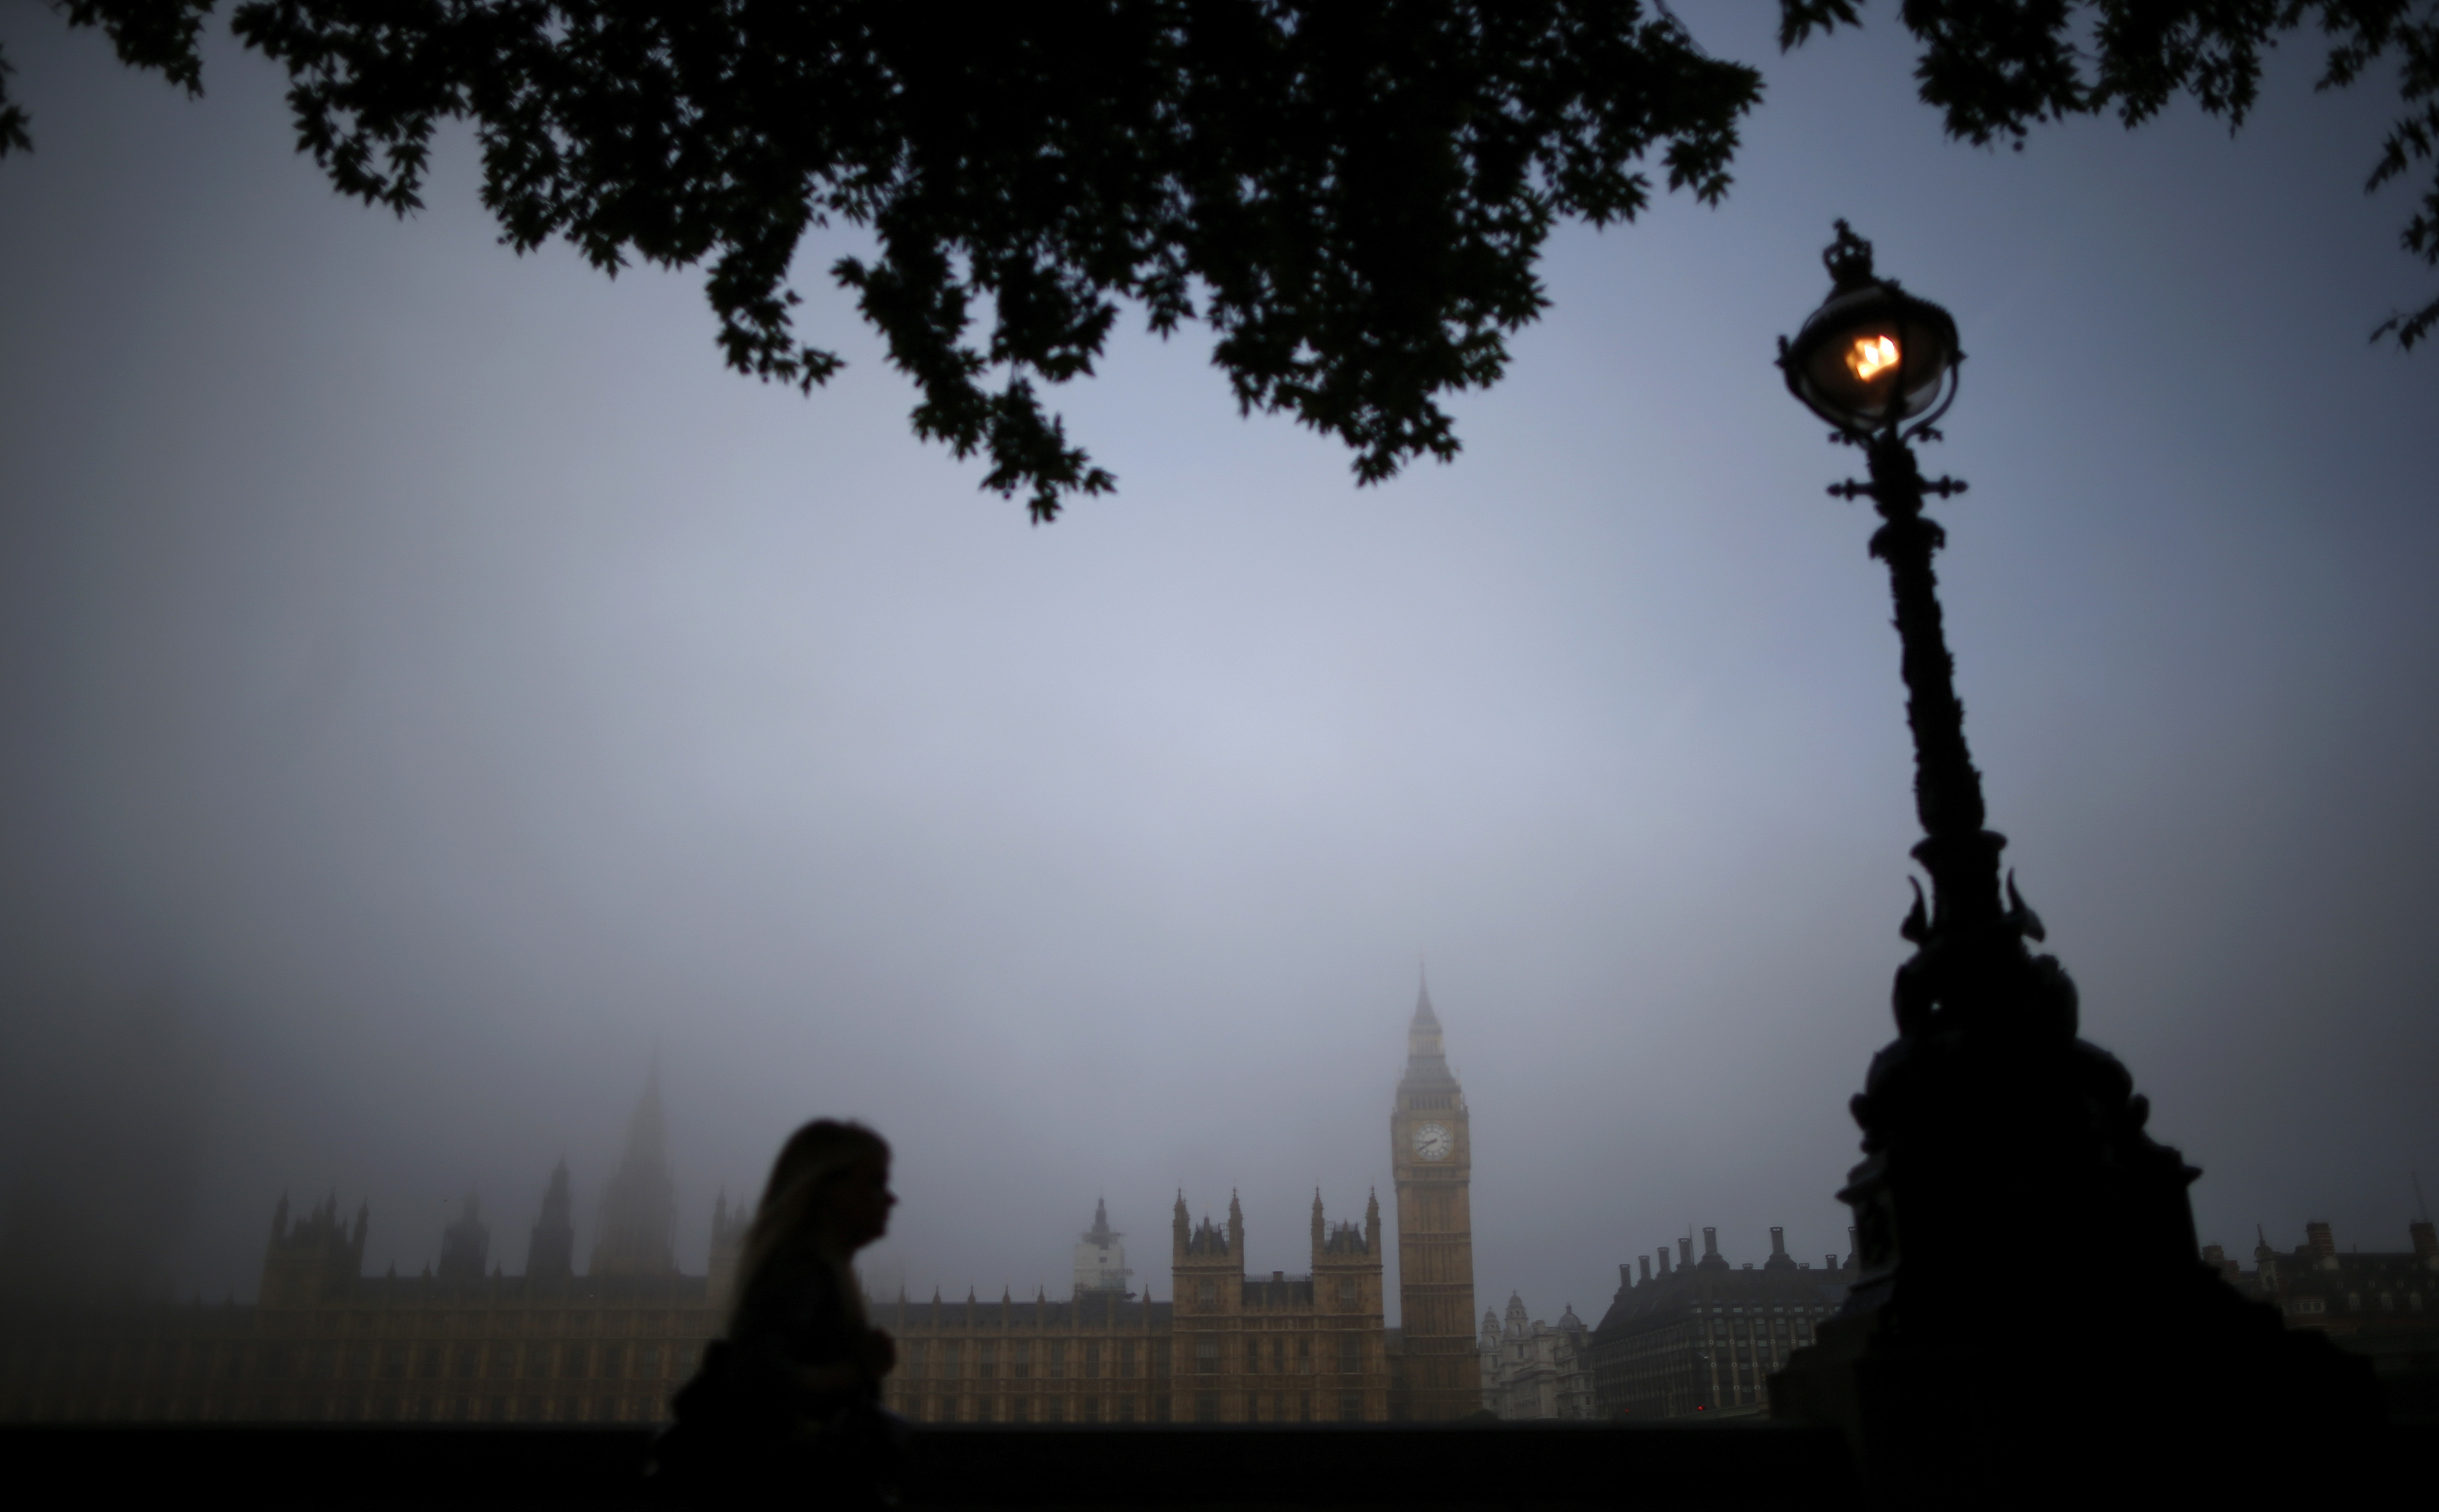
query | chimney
(1646,1264)
(1779,1259)
(1664,1261)
(2323,1241)
(1828,1262)
(1710,1260)
(1685,1252)
(1625,1274)
(2425,1242)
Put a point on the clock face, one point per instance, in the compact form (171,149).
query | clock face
(1434,1142)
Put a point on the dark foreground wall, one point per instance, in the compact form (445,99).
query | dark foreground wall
(1551,1466)
(1504,1465)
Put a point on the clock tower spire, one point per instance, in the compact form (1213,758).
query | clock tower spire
(1432,1155)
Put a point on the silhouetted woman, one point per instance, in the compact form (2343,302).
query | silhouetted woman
(788,1402)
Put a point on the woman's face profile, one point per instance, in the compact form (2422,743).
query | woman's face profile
(860,1201)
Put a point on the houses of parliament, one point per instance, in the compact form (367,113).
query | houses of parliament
(465,1343)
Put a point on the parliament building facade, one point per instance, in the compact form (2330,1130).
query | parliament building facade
(324,1342)
(1228,1347)
(461,1342)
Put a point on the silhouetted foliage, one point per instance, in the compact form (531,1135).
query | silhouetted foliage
(1996,67)
(1350,193)
(1352,196)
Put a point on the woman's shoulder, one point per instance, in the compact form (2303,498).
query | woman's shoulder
(794,1282)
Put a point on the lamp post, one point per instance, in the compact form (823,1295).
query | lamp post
(2025,1251)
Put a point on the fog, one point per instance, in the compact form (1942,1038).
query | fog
(434,692)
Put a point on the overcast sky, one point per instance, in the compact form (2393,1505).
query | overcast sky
(432,687)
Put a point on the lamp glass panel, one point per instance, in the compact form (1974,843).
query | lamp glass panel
(1854,369)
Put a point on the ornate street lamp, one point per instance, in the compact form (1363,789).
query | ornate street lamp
(2025,1252)
(1873,357)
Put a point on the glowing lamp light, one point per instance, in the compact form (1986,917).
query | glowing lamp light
(1870,356)
(1873,357)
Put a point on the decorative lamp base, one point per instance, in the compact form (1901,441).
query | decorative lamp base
(2031,1319)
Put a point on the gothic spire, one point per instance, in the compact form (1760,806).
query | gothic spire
(646,1133)
(550,1254)
(1426,1061)
(639,1209)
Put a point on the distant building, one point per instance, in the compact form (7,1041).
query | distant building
(1532,1369)
(1100,1259)
(1435,1375)
(639,1211)
(1283,1350)
(1102,1357)
(2383,1305)
(465,1343)
(1703,1338)
(324,1342)
(1229,1348)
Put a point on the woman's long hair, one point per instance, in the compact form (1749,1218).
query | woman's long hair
(792,1207)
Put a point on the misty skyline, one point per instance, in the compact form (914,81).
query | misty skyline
(439,687)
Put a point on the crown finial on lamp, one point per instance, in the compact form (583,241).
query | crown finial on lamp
(1848,259)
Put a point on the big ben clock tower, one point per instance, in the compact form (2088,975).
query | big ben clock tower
(1431,1154)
